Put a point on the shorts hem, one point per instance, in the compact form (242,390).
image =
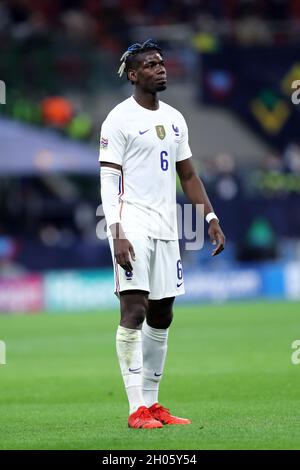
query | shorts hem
(151,296)
(117,293)
(164,296)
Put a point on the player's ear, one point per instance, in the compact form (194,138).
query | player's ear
(132,75)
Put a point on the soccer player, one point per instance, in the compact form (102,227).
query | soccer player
(144,142)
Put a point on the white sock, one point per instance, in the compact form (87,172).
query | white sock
(129,351)
(154,343)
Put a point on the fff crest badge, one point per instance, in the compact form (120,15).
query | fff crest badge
(160,131)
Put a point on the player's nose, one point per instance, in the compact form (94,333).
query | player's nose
(162,72)
(160,69)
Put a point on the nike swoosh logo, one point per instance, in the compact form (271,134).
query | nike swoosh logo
(144,132)
(178,285)
(135,371)
(157,375)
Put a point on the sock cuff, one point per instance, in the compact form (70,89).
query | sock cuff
(128,335)
(155,333)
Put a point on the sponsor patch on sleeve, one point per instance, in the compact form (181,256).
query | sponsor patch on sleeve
(103,143)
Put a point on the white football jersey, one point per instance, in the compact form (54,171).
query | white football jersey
(147,144)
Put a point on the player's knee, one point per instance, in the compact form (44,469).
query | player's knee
(134,318)
(167,320)
(133,313)
(160,313)
(161,321)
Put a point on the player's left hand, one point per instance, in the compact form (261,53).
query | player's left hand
(216,236)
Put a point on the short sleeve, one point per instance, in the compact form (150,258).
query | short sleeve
(112,140)
(183,150)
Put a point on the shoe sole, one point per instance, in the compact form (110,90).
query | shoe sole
(176,424)
(156,427)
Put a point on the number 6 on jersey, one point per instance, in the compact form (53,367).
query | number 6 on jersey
(163,161)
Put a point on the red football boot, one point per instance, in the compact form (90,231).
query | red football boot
(162,414)
(142,418)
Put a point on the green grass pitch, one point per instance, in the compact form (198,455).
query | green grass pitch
(228,368)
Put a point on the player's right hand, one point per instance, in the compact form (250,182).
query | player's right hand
(217,237)
(124,253)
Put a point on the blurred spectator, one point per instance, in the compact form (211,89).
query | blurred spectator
(8,252)
(80,27)
(57,111)
(259,243)
(291,158)
(253,30)
(273,162)
(227,184)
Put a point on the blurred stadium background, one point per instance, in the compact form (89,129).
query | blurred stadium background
(231,66)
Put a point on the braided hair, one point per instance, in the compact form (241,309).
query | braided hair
(128,59)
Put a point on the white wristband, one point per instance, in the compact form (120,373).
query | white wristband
(210,217)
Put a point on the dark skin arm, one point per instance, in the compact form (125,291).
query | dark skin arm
(194,189)
(123,249)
